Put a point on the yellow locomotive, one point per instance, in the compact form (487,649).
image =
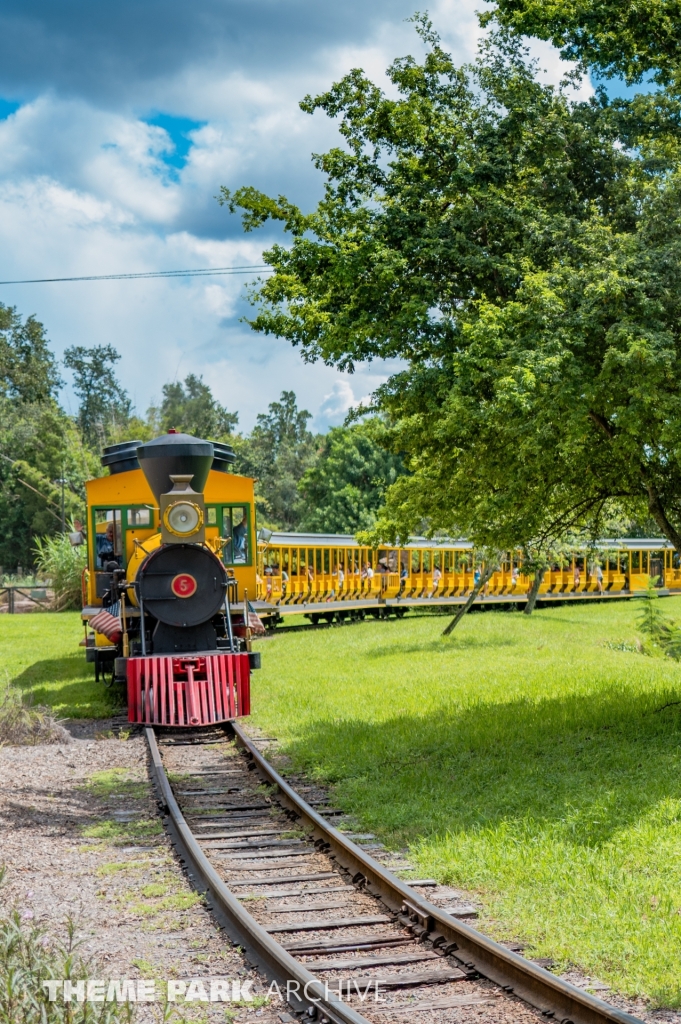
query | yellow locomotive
(171,564)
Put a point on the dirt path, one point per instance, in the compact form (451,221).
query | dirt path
(81,837)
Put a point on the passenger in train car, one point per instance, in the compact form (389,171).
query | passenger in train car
(598,573)
(367,572)
(338,577)
(437,576)
(576,576)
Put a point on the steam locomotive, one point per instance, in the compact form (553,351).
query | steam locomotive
(171,562)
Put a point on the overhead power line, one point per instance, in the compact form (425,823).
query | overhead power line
(205,272)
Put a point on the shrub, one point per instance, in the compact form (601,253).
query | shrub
(63,565)
(663,632)
(28,958)
(23,725)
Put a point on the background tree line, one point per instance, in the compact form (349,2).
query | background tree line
(332,482)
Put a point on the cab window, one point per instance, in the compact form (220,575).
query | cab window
(108,537)
(235,534)
(139,517)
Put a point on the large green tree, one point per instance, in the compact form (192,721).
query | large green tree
(191,407)
(39,446)
(344,489)
(44,446)
(28,371)
(519,250)
(104,404)
(278,452)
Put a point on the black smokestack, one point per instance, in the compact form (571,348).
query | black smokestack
(174,454)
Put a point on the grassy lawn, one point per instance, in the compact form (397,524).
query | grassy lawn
(39,654)
(520,758)
(528,760)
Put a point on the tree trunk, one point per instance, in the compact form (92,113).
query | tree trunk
(658,513)
(534,591)
(484,578)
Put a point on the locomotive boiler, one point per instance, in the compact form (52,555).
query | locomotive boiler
(171,561)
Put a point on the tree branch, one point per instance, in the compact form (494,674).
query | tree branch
(602,424)
(657,511)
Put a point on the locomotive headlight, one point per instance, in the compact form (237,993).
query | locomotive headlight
(183,518)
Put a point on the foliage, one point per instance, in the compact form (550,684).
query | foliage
(342,491)
(519,250)
(651,619)
(28,958)
(662,632)
(104,404)
(192,409)
(520,760)
(618,37)
(277,453)
(27,367)
(63,565)
(23,724)
(39,445)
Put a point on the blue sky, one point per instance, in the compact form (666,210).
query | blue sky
(119,123)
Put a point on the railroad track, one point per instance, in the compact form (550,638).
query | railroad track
(324,919)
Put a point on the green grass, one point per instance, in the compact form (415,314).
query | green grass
(522,758)
(117,782)
(39,654)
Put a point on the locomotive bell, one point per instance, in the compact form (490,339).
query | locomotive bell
(183,513)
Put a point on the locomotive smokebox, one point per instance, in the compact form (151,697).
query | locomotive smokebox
(175,455)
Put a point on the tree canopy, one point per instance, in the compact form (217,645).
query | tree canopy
(519,250)
(28,371)
(191,407)
(39,443)
(617,37)
(278,451)
(346,486)
(104,404)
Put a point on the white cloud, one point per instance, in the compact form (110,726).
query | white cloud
(336,405)
(552,69)
(85,188)
(341,399)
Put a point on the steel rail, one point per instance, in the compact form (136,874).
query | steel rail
(554,997)
(276,962)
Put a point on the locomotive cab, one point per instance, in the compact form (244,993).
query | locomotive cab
(170,567)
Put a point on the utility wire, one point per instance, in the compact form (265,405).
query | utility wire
(206,272)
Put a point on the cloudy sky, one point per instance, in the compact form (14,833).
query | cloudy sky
(118,124)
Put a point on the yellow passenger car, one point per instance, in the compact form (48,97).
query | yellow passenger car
(303,569)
